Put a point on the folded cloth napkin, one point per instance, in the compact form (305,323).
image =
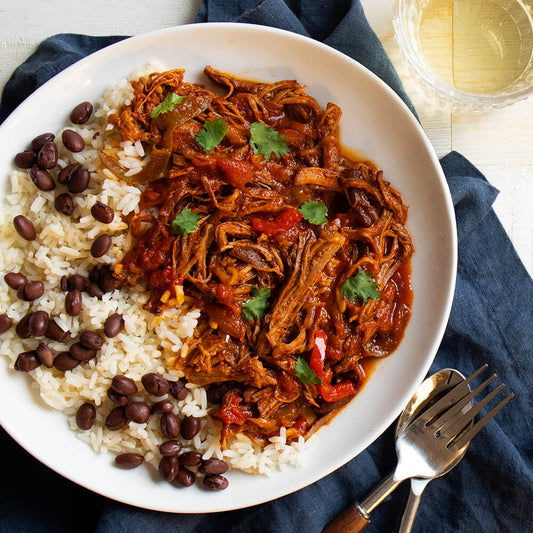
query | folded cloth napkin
(490,322)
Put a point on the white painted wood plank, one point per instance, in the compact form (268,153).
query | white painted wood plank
(25,23)
(499,136)
(514,181)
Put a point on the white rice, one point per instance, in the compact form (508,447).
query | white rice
(62,248)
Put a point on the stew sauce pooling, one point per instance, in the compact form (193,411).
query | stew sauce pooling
(297,254)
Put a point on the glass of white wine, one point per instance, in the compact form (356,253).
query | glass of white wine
(468,54)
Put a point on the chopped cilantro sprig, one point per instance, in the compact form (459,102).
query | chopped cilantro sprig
(168,104)
(212,133)
(255,307)
(265,140)
(185,222)
(305,373)
(314,212)
(361,286)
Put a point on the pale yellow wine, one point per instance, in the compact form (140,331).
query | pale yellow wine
(478,46)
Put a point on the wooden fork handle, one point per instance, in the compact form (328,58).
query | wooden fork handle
(349,521)
(356,517)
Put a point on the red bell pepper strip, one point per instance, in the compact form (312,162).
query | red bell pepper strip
(330,393)
(284,221)
(318,355)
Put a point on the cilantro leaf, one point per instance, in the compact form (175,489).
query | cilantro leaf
(265,140)
(212,133)
(168,104)
(315,212)
(305,373)
(361,286)
(256,307)
(185,222)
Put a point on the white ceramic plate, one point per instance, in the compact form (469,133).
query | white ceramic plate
(375,122)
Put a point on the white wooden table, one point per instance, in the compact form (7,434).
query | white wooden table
(499,143)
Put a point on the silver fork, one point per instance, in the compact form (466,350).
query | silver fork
(428,447)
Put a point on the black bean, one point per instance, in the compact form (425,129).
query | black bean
(91,339)
(168,467)
(5,322)
(178,389)
(139,412)
(73,302)
(93,289)
(184,478)
(164,406)
(86,416)
(170,425)
(116,419)
(215,482)
(116,398)
(42,178)
(79,180)
(25,159)
(15,279)
(73,141)
(21,294)
(64,203)
(24,227)
(63,283)
(113,325)
(22,328)
(38,323)
(95,275)
(213,466)
(102,212)
(216,392)
(109,283)
(47,156)
(76,281)
(104,270)
(45,355)
(81,113)
(101,245)
(27,361)
(129,460)
(63,361)
(191,458)
(169,448)
(33,290)
(38,142)
(190,426)
(155,384)
(65,174)
(124,385)
(79,352)
(55,332)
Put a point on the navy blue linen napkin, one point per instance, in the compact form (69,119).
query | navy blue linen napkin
(491,321)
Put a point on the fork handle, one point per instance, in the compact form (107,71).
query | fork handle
(409,515)
(415,495)
(349,521)
(356,516)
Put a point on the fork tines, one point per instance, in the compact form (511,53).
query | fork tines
(454,412)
